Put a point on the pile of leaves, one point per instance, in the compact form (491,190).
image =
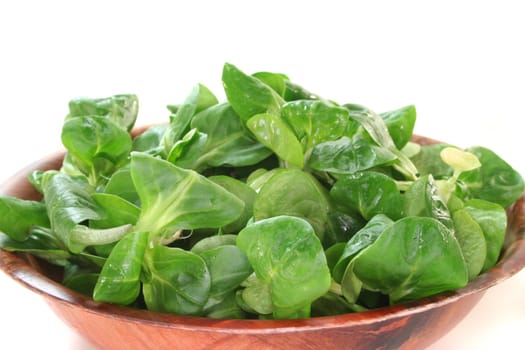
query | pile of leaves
(274,204)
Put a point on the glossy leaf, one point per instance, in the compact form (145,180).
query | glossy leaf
(376,128)
(68,203)
(38,244)
(19,216)
(96,145)
(471,240)
(119,280)
(177,281)
(423,199)
(314,121)
(295,193)
(228,267)
(275,134)
(400,124)
(213,242)
(495,181)
(286,256)
(248,95)
(199,99)
(428,161)
(174,198)
(120,109)
(492,219)
(413,258)
(117,211)
(362,239)
(242,191)
(348,156)
(369,193)
(220,139)
(121,184)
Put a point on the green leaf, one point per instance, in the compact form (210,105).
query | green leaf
(178,281)
(150,141)
(492,219)
(423,199)
(120,109)
(119,280)
(369,193)
(471,240)
(288,258)
(413,258)
(96,145)
(174,198)
(495,181)
(273,133)
(276,81)
(376,128)
(68,203)
(362,239)
(314,121)
(220,139)
(247,94)
(199,99)
(296,193)
(212,242)
(348,156)
(242,191)
(117,211)
(38,244)
(428,161)
(228,267)
(400,124)
(19,216)
(121,184)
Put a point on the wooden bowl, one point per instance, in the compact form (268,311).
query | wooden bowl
(413,325)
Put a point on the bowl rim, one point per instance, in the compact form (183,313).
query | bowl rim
(21,268)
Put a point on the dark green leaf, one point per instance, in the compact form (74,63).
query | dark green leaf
(178,281)
(220,139)
(413,258)
(348,156)
(495,181)
(362,239)
(288,258)
(369,193)
(471,240)
(119,280)
(400,124)
(19,216)
(492,219)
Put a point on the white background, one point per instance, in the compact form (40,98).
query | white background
(460,62)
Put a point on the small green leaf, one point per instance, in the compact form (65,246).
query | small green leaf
(247,94)
(272,132)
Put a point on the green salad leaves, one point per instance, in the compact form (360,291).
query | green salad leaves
(274,204)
